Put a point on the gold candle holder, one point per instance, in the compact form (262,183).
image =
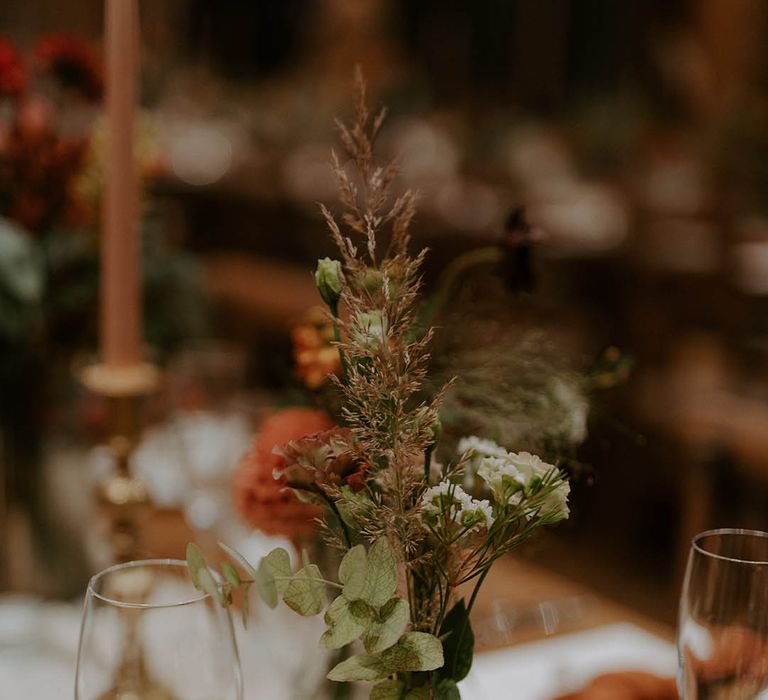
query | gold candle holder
(123,498)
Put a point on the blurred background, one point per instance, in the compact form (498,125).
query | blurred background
(633,134)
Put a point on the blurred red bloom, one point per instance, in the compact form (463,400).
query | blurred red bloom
(71,62)
(323,458)
(263,501)
(37,170)
(12,77)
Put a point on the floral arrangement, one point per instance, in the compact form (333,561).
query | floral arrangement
(416,538)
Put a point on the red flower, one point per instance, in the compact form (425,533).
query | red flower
(38,169)
(12,78)
(323,458)
(263,501)
(71,62)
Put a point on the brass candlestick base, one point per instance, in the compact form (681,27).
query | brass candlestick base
(132,680)
(123,498)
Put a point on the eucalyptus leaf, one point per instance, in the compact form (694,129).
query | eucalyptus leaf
(421,693)
(209,585)
(387,690)
(416,651)
(353,572)
(230,573)
(352,506)
(361,667)
(245,604)
(458,643)
(240,559)
(347,621)
(195,563)
(381,580)
(272,575)
(305,592)
(446,689)
(394,617)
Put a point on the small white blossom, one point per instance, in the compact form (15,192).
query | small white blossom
(502,476)
(476,449)
(433,496)
(480,447)
(477,514)
(529,465)
(450,502)
(515,476)
(556,503)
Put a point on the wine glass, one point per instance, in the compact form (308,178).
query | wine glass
(148,634)
(723,628)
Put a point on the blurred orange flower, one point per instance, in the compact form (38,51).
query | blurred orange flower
(313,352)
(263,501)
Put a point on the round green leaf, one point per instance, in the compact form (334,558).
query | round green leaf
(384,632)
(305,592)
(381,581)
(361,667)
(353,572)
(347,621)
(387,690)
(416,651)
(271,578)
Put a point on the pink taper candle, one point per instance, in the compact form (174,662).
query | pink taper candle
(121,316)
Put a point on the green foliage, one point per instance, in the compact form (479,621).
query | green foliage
(458,643)
(354,507)
(195,563)
(420,693)
(305,592)
(395,690)
(381,579)
(346,621)
(416,651)
(446,689)
(200,574)
(239,558)
(230,574)
(387,690)
(390,625)
(272,575)
(353,572)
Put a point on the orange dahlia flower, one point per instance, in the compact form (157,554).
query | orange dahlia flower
(263,501)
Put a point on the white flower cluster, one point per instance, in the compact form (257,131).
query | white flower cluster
(448,501)
(475,449)
(479,447)
(517,475)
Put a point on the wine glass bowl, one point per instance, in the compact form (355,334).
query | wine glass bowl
(148,634)
(723,626)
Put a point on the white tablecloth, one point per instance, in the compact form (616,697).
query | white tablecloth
(38,646)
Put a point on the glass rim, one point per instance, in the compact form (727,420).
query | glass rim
(201,595)
(697,546)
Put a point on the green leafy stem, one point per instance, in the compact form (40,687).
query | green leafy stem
(408,664)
